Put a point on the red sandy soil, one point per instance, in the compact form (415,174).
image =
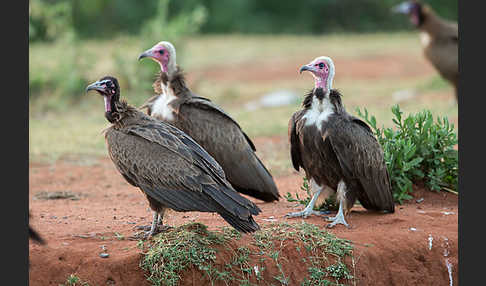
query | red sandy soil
(391,249)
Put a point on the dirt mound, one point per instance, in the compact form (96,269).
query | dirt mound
(413,246)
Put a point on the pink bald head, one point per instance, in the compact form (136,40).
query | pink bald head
(163,53)
(322,68)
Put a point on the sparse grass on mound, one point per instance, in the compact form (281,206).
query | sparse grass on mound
(74,280)
(278,254)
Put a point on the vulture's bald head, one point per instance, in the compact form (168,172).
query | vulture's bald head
(322,68)
(414,9)
(164,53)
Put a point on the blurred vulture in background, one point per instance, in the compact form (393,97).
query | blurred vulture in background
(439,39)
(218,133)
(167,165)
(337,151)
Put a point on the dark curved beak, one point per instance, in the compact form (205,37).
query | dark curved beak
(96,86)
(402,8)
(306,68)
(146,54)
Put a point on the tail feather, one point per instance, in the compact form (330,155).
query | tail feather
(257,183)
(244,226)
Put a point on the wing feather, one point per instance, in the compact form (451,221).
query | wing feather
(361,157)
(177,172)
(294,140)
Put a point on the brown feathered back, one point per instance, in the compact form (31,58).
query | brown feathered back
(343,149)
(219,134)
(172,169)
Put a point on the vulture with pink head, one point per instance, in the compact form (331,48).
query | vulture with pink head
(337,151)
(216,131)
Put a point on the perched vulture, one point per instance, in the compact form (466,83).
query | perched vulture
(218,133)
(337,151)
(167,165)
(439,39)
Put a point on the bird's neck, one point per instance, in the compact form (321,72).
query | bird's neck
(325,84)
(175,82)
(119,111)
(431,23)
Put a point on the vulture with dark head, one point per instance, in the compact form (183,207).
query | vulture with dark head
(439,39)
(167,165)
(337,151)
(219,134)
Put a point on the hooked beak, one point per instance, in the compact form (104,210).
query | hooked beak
(402,8)
(307,68)
(146,54)
(99,86)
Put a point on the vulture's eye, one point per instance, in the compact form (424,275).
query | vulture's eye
(161,52)
(321,65)
(108,84)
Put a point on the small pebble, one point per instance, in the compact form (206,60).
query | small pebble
(413,229)
(104,255)
(420,200)
(448,213)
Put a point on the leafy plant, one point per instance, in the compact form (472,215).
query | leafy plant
(305,187)
(418,150)
(329,204)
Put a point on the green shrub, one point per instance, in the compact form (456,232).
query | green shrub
(49,21)
(419,150)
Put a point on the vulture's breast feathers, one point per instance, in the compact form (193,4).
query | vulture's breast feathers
(319,110)
(161,107)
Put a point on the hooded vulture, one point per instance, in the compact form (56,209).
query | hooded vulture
(337,151)
(170,168)
(219,134)
(439,39)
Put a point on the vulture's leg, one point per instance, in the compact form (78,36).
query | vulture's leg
(341,196)
(155,228)
(309,209)
(149,228)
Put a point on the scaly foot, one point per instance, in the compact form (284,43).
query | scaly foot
(338,219)
(145,232)
(305,213)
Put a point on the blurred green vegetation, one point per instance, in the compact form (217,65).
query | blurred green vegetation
(110,18)
(73,43)
(61,65)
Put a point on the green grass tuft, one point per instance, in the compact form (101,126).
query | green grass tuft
(74,280)
(192,246)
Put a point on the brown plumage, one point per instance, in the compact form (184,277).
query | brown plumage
(439,39)
(215,130)
(336,150)
(167,165)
